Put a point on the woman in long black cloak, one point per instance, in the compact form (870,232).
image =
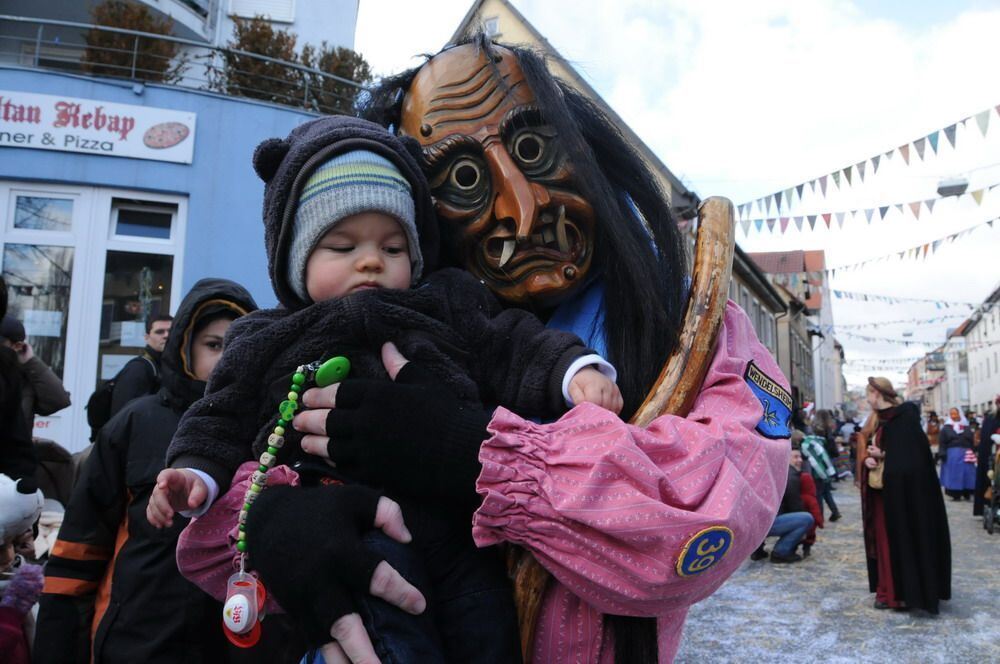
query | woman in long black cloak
(906,528)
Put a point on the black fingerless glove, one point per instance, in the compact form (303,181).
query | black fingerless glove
(411,436)
(306,545)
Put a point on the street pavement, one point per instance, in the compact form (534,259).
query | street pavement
(820,609)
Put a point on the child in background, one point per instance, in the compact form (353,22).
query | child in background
(20,582)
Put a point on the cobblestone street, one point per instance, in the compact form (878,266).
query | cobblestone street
(820,609)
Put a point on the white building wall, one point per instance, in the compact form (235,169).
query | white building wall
(826,359)
(312,21)
(955,388)
(983,346)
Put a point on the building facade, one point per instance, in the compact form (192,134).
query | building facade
(116,196)
(209,22)
(982,336)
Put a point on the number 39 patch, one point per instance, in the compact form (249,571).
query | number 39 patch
(706,548)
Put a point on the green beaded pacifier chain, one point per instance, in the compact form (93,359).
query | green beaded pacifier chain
(243,610)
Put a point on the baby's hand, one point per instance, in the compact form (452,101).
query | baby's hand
(591,385)
(175,490)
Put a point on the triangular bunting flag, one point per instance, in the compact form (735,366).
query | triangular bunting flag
(905,151)
(788,197)
(826,219)
(978,196)
(882,211)
(934,245)
(770,224)
(822,184)
(798,190)
(798,223)
(926,247)
(767,200)
(930,204)
(899,207)
(847,174)
(915,209)
(933,140)
(983,120)
(861,170)
(919,145)
(875,161)
(784,224)
(840,219)
(746,227)
(836,178)
(990,222)
(949,133)
(741,209)
(868,214)
(759,223)
(812,185)
(777,201)
(812,222)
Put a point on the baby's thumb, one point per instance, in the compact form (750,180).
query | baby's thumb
(198,494)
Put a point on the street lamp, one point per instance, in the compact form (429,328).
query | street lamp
(952,186)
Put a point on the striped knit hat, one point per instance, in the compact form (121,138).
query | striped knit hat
(345,185)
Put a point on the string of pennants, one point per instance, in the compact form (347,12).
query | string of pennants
(915,253)
(878,213)
(859,169)
(869,297)
(913,342)
(899,321)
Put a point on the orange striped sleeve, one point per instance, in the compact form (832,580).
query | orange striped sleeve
(80,551)
(57,585)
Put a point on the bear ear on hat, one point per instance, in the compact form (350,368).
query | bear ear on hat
(413,147)
(267,157)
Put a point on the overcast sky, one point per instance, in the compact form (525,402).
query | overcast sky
(743,99)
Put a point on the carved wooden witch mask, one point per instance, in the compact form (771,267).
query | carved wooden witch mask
(498,176)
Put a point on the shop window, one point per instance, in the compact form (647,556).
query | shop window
(38,287)
(136,289)
(40,213)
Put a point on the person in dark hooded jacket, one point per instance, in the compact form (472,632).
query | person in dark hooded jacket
(112,590)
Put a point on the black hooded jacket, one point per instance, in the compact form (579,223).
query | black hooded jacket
(109,564)
(915,518)
(450,322)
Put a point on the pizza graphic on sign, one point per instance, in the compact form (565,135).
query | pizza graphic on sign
(165,135)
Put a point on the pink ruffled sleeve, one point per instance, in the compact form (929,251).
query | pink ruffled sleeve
(608,507)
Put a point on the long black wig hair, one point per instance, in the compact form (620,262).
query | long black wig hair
(639,250)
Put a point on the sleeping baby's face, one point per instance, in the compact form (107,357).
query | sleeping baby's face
(363,251)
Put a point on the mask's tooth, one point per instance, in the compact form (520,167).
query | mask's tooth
(508,251)
(561,230)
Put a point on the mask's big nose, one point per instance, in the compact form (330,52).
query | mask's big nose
(517,199)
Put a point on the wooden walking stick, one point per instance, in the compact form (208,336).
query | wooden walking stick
(674,391)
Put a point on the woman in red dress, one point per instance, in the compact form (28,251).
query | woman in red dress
(907,542)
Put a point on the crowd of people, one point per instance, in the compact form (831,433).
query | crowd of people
(473,306)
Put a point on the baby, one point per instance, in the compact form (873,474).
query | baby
(350,232)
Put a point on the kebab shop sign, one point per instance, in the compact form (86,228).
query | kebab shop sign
(51,122)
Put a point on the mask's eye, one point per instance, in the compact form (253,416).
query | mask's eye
(529,147)
(463,184)
(465,175)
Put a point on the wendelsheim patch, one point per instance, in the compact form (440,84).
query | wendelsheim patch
(777,403)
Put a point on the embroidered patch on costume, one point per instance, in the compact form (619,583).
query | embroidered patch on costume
(706,548)
(777,403)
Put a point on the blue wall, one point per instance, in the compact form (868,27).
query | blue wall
(225,234)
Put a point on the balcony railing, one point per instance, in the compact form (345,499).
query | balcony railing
(152,58)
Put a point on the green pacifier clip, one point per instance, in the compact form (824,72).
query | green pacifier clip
(243,609)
